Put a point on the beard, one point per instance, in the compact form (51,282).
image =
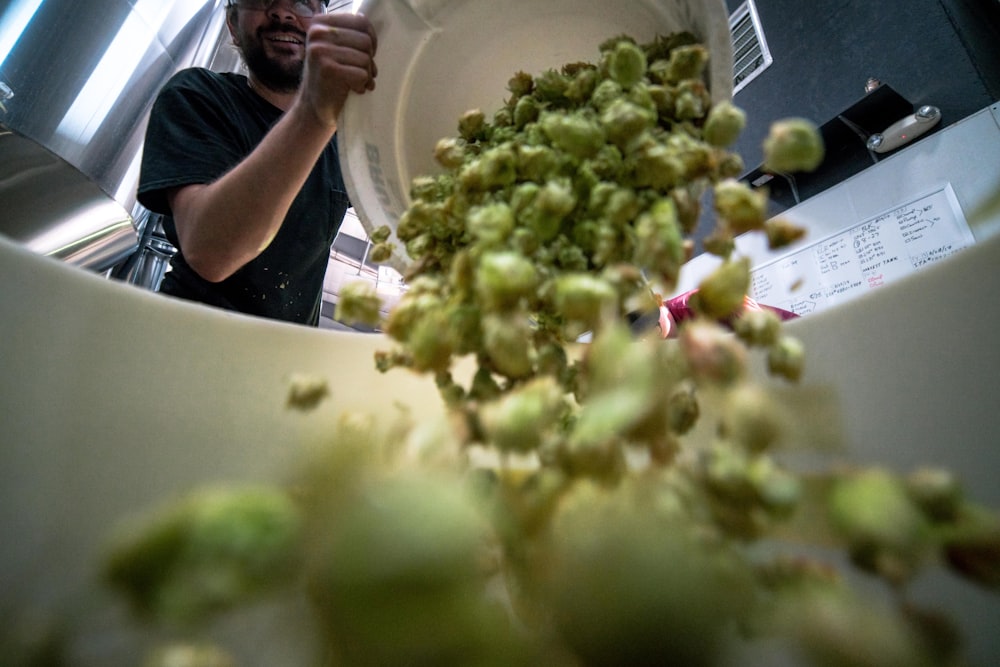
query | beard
(280,76)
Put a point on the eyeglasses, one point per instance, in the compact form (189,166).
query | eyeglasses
(304,8)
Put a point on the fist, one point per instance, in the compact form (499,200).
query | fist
(340,59)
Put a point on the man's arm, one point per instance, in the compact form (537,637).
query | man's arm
(224,224)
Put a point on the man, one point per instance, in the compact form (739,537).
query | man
(245,169)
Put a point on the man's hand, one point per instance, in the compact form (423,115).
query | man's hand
(340,59)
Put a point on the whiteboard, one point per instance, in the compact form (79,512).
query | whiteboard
(866,256)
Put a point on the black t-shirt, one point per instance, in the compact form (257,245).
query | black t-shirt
(202,125)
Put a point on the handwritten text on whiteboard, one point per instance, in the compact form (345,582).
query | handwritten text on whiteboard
(866,256)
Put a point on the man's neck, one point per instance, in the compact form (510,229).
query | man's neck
(282,100)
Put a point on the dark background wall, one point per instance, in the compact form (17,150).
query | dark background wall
(944,53)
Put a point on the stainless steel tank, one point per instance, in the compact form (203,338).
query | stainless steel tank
(77,80)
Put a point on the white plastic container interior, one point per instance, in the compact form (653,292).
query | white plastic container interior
(440,58)
(113,398)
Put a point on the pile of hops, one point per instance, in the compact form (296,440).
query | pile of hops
(569,209)
(632,481)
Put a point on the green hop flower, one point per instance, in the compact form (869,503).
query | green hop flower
(793,145)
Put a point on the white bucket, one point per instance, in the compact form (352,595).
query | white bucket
(113,399)
(440,58)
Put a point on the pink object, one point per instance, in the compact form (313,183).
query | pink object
(678,309)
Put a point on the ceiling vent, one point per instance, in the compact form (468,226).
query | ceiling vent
(750,53)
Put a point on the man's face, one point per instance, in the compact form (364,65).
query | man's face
(272,44)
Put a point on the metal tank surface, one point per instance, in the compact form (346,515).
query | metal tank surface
(77,81)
